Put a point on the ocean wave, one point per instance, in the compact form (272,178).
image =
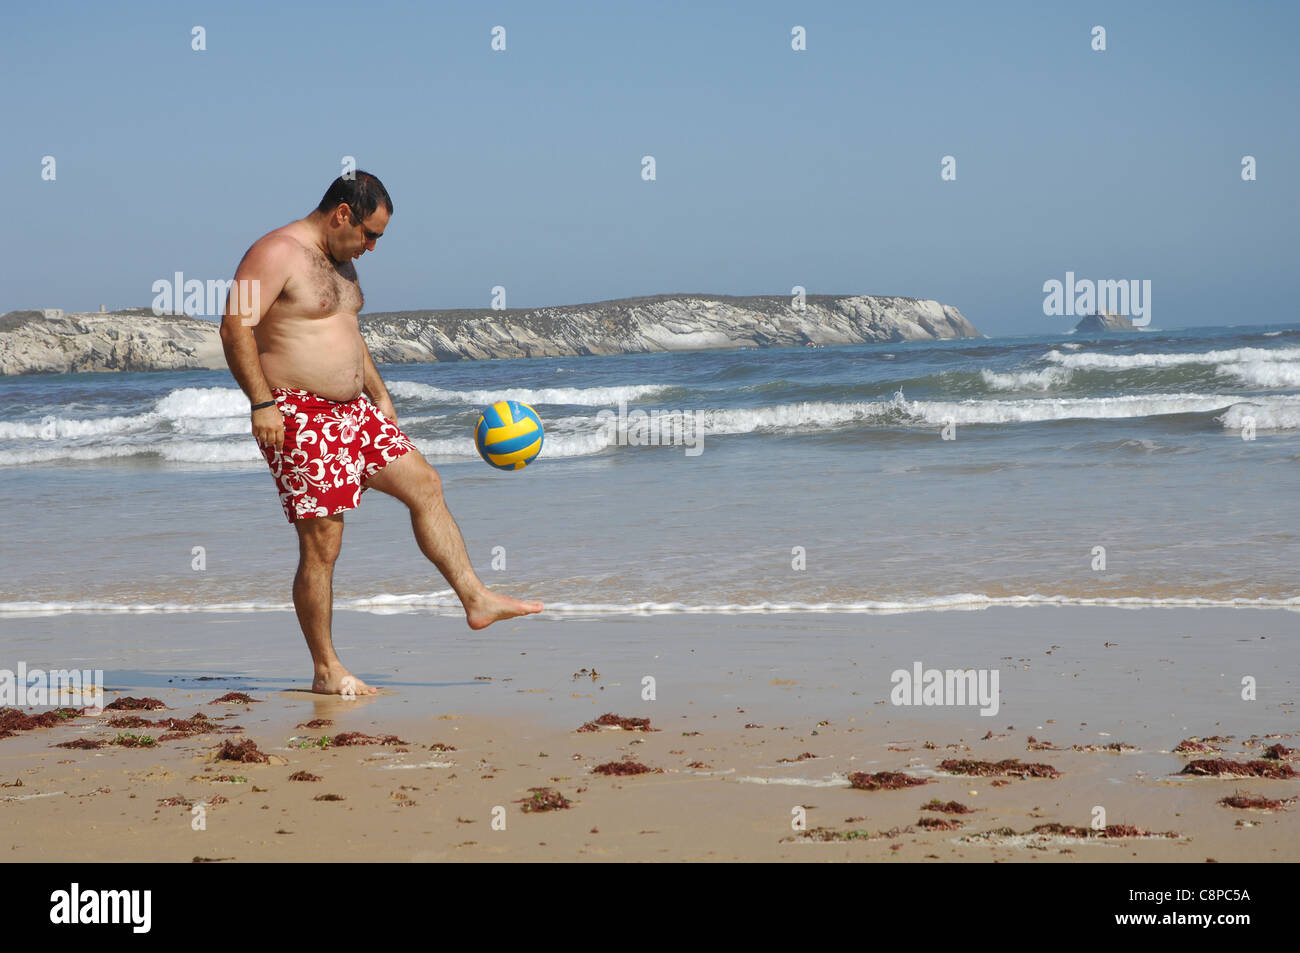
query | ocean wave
(1092,360)
(53,427)
(1036,410)
(388,603)
(581,396)
(1270,416)
(1272,375)
(1044,379)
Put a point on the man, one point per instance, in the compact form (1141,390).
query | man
(298,355)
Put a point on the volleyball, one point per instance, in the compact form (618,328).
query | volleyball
(508,435)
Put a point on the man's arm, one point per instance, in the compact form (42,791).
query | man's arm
(374,386)
(260,278)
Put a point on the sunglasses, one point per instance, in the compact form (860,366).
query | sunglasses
(370,236)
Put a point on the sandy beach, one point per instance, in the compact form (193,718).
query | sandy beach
(751,755)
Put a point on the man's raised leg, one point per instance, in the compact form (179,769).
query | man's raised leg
(415,483)
(319,541)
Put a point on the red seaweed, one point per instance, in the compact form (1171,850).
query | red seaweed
(951,807)
(610,720)
(13,720)
(246,751)
(803,757)
(304,776)
(622,768)
(1223,768)
(233,698)
(1008,768)
(358,738)
(883,781)
(1252,802)
(127,703)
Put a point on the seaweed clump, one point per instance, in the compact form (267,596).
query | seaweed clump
(622,768)
(128,703)
(245,751)
(1223,768)
(807,755)
(81,743)
(125,740)
(233,698)
(951,807)
(883,781)
(358,738)
(304,776)
(1251,802)
(544,799)
(610,720)
(13,720)
(1011,767)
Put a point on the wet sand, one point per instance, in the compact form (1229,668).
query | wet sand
(740,704)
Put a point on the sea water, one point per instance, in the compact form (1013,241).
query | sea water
(1127,469)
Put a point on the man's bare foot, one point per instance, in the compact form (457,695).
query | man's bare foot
(493,607)
(340,681)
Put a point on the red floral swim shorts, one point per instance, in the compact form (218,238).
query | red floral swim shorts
(330,450)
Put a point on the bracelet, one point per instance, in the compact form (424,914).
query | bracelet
(265,403)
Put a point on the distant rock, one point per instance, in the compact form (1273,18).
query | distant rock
(1105,321)
(33,342)
(657,323)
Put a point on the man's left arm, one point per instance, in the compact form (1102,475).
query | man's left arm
(374,386)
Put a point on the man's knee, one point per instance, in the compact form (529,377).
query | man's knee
(427,487)
(320,539)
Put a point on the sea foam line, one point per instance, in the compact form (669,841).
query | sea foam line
(385,604)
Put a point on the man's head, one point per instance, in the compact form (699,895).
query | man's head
(354,213)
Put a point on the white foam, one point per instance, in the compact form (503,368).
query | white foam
(387,603)
(1266,374)
(203,402)
(1061,408)
(584,396)
(1095,361)
(1266,416)
(54,427)
(832,782)
(1045,379)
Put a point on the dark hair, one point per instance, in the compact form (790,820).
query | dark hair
(361,191)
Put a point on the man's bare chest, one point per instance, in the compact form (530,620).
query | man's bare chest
(321,288)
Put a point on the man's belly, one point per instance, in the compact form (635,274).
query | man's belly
(323,356)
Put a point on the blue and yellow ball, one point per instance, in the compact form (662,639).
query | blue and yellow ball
(508,435)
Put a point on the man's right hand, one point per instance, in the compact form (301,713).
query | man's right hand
(268,427)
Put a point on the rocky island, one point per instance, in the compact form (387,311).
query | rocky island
(136,339)
(1104,321)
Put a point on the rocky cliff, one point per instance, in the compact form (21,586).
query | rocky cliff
(659,323)
(37,342)
(138,340)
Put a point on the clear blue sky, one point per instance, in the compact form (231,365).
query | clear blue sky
(775,168)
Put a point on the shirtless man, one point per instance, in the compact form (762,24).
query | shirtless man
(299,357)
